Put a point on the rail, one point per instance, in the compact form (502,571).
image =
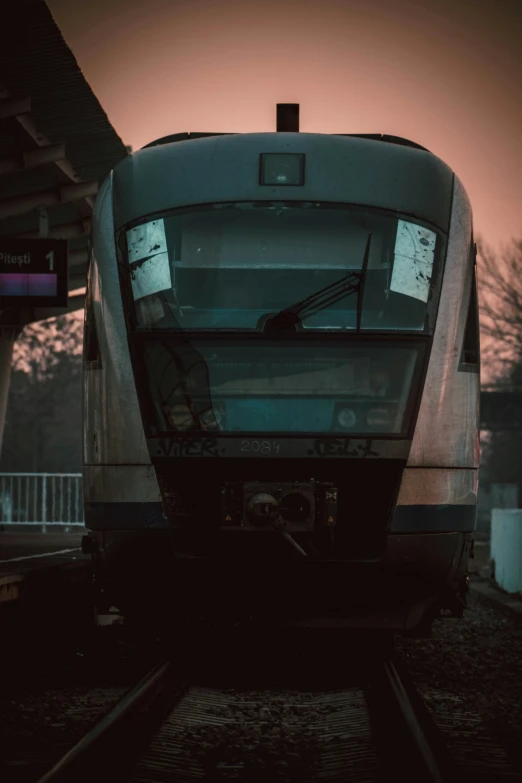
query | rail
(41,499)
(406,731)
(386,735)
(92,752)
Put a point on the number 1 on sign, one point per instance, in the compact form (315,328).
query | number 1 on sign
(50,256)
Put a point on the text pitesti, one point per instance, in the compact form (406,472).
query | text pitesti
(8,258)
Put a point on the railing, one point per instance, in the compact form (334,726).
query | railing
(41,499)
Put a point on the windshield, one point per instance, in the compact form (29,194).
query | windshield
(276,385)
(229,266)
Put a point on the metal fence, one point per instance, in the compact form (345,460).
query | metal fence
(41,499)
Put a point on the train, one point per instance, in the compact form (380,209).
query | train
(281,381)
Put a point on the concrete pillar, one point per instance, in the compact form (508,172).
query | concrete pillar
(8,335)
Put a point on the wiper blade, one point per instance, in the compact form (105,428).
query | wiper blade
(352,282)
(347,285)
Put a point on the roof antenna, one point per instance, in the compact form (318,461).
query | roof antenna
(287,118)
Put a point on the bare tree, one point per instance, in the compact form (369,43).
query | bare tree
(43,421)
(500,295)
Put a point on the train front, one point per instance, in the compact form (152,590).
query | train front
(280,294)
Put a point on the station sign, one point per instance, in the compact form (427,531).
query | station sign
(33,272)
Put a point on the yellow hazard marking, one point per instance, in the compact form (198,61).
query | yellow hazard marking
(228,518)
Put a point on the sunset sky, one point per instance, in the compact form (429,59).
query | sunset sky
(444,73)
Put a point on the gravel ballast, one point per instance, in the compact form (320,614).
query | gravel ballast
(469,673)
(48,705)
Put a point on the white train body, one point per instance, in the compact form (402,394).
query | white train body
(363,414)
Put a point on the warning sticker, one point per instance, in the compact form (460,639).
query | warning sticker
(149,259)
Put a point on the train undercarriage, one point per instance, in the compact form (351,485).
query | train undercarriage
(156,578)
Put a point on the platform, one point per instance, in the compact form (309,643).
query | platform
(32,561)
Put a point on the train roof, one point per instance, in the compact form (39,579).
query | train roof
(371,171)
(374,136)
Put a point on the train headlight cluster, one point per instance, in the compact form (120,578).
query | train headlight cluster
(346,418)
(379,417)
(213,419)
(219,415)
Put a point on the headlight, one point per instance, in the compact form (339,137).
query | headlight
(379,417)
(213,419)
(346,418)
(219,414)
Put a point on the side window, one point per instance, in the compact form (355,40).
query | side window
(91,347)
(470,357)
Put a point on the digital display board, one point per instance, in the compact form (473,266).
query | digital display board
(33,272)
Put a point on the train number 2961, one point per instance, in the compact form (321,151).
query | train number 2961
(260,446)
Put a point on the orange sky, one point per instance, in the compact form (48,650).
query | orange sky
(444,73)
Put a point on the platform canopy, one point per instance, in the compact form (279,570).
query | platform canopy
(56,142)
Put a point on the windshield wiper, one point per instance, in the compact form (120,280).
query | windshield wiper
(351,283)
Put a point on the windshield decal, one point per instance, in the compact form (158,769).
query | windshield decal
(149,259)
(413,260)
(146,240)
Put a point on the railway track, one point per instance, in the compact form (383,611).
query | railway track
(196,726)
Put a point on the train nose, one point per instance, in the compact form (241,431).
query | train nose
(263,509)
